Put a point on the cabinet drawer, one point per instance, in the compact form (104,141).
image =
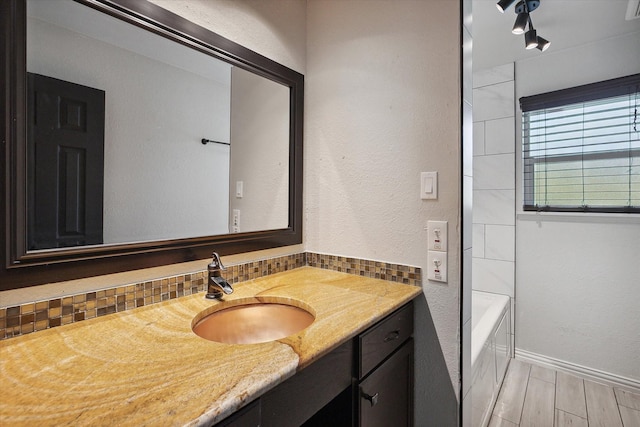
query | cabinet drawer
(386,396)
(381,340)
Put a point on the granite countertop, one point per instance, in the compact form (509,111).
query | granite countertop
(146,366)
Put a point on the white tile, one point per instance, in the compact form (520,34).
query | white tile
(493,276)
(467,279)
(467,139)
(467,66)
(467,212)
(500,242)
(494,207)
(500,136)
(495,172)
(466,358)
(478,240)
(499,74)
(478,138)
(467,17)
(493,102)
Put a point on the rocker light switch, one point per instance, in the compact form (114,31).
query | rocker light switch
(239,189)
(429,185)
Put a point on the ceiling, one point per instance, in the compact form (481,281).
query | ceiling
(566,23)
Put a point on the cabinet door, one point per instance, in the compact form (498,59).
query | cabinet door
(386,395)
(249,416)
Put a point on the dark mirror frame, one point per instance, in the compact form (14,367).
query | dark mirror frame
(23,268)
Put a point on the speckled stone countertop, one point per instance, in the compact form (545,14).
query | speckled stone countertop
(147,367)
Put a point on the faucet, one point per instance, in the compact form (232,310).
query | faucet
(216,284)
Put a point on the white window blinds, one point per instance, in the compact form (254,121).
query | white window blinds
(581,148)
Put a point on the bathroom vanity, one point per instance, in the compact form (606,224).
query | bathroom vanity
(367,381)
(351,366)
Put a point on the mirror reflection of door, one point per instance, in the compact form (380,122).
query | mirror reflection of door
(66,147)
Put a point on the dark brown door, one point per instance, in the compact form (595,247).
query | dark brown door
(65,155)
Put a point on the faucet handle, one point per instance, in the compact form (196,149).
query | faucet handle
(216,264)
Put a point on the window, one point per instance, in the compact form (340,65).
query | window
(581,148)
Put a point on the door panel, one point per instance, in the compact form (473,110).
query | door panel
(65,152)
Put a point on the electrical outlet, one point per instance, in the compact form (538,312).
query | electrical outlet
(437,235)
(235,228)
(437,266)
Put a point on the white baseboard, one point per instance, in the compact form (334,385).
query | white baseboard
(596,375)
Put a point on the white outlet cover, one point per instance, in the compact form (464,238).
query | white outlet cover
(437,266)
(437,231)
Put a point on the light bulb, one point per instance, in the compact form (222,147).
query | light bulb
(530,39)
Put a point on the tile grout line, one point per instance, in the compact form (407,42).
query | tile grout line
(584,393)
(526,391)
(555,394)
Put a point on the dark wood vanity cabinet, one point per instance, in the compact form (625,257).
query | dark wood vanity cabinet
(386,395)
(385,372)
(367,381)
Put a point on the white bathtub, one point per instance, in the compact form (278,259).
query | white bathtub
(490,351)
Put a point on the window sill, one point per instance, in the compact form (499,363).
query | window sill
(581,217)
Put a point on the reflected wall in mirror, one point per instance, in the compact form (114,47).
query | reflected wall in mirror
(161,99)
(109,105)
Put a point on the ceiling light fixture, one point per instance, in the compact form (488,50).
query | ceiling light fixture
(502,5)
(521,23)
(543,44)
(530,39)
(527,6)
(523,11)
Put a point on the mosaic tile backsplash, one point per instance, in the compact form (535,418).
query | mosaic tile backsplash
(39,315)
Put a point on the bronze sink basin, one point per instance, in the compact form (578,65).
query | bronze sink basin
(252,322)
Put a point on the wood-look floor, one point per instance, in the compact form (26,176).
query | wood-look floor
(536,396)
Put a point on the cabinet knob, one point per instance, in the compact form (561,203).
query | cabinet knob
(372,399)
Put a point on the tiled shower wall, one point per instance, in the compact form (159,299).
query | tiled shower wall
(494,194)
(40,315)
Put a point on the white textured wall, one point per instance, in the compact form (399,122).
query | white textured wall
(151,136)
(577,276)
(382,105)
(273,28)
(259,152)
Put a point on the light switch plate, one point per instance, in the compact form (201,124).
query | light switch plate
(437,266)
(437,235)
(428,185)
(239,189)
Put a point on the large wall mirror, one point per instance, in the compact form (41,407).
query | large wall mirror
(135,138)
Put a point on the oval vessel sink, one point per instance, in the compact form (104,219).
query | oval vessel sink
(253,323)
